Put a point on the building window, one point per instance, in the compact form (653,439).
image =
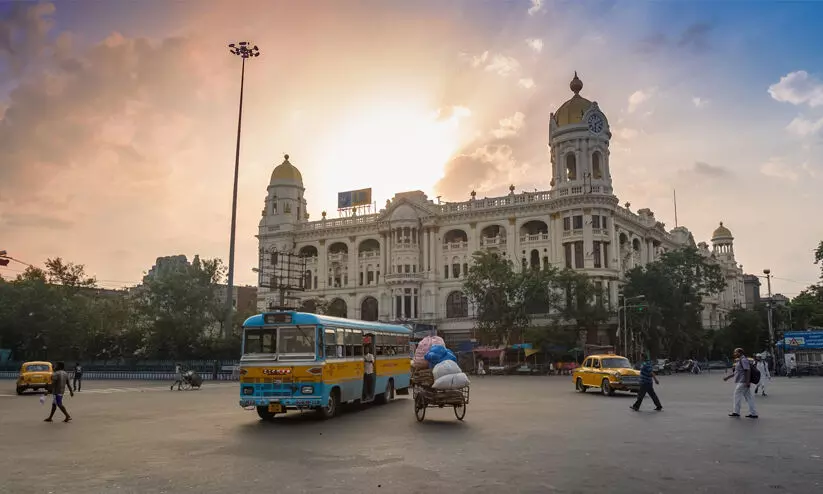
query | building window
(578,255)
(568,250)
(597,167)
(578,222)
(457,305)
(596,222)
(604,223)
(606,255)
(571,167)
(597,253)
(407,303)
(567,224)
(535,259)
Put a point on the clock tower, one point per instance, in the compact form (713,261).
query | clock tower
(579,140)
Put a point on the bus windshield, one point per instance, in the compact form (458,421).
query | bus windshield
(283,341)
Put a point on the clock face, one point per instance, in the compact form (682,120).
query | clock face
(596,123)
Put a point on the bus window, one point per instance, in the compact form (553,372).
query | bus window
(391,344)
(330,343)
(260,341)
(380,343)
(349,349)
(341,343)
(357,343)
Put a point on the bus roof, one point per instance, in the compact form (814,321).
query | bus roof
(314,319)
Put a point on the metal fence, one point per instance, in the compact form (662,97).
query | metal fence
(147,370)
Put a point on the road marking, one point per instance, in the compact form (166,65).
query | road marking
(105,391)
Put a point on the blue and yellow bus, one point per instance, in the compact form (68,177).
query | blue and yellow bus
(300,361)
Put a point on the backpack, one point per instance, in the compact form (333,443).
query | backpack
(755,374)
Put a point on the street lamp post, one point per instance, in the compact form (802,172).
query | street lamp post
(772,347)
(244,50)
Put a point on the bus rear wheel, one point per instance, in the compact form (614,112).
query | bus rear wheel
(264,413)
(388,395)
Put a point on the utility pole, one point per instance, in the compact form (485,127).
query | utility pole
(244,50)
(625,331)
(772,348)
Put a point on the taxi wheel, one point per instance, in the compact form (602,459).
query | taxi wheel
(21,390)
(579,386)
(606,388)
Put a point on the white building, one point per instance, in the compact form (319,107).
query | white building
(408,260)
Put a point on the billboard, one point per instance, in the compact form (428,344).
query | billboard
(353,198)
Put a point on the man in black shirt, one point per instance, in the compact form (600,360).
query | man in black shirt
(59,383)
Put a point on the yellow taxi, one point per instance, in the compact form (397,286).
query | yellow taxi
(609,373)
(34,375)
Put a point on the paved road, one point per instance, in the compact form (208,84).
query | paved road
(521,435)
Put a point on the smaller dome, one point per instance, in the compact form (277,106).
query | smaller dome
(286,171)
(721,232)
(404,212)
(572,111)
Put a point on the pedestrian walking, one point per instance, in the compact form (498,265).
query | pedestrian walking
(178,377)
(647,381)
(765,376)
(742,375)
(481,370)
(78,376)
(59,383)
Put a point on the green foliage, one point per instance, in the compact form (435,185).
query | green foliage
(506,301)
(673,287)
(58,313)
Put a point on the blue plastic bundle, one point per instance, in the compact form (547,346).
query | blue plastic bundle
(439,353)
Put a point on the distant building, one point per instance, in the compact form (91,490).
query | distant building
(165,264)
(751,285)
(244,298)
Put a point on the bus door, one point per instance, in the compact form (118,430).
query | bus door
(369,364)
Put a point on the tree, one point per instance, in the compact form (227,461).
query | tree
(582,302)
(673,287)
(505,299)
(177,308)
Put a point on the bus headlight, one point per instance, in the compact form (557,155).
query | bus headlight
(307,390)
(248,390)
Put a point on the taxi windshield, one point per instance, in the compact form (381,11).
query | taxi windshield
(37,368)
(616,363)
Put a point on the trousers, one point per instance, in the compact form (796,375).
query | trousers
(644,390)
(743,392)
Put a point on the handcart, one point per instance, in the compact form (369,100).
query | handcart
(427,397)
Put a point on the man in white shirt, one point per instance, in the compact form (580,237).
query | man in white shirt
(765,377)
(368,370)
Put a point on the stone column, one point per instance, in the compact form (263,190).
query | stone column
(322,266)
(436,252)
(425,247)
(588,239)
(512,241)
(353,262)
(382,258)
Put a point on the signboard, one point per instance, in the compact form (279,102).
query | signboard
(353,198)
(803,340)
(281,318)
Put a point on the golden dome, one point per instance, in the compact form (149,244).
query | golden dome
(286,171)
(571,112)
(722,232)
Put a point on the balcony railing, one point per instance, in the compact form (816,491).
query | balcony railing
(395,278)
(339,257)
(492,241)
(455,246)
(371,254)
(537,237)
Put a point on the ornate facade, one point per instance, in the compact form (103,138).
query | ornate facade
(408,261)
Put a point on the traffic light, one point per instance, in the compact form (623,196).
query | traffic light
(641,308)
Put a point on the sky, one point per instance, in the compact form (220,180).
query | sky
(118,119)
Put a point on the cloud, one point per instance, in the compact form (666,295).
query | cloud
(503,65)
(699,102)
(803,127)
(798,88)
(452,112)
(535,44)
(707,170)
(695,37)
(778,169)
(510,126)
(536,6)
(526,83)
(478,170)
(23,33)
(637,98)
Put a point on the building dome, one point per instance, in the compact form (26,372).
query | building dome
(721,232)
(572,111)
(404,212)
(286,171)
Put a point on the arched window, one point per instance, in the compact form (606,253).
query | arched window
(368,309)
(307,280)
(597,166)
(571,167)
(457,305)
(338,308)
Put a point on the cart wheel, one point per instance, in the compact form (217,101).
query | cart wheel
(420,407)
(460,411)
(186,386)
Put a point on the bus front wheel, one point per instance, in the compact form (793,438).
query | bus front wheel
(330,410)
(264,413)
